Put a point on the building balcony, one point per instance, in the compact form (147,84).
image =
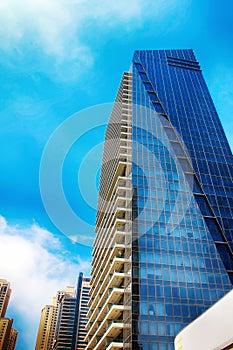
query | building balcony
(107,243)
(117,269)
(114,315)
(114,296)
(113,260)
(114,345)
(119,179)
(114,329)
(116,280)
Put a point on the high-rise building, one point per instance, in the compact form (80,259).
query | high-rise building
(62,324)
(8,335)
(73,308)
(163,250)
(48,322)
(5,330)
(83,289)
(5,292)
(66,328)
(46,330)
(12,339)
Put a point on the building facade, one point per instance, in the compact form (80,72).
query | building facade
(163,250)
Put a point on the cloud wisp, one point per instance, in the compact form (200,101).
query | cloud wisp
(58,29)
(32,261)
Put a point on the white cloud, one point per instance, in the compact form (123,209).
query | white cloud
(55,25)
(58,27)
(34,272)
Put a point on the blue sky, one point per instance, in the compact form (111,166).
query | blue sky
(57,59)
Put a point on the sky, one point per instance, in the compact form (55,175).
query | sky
(61,62)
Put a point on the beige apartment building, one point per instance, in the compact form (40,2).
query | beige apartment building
(8,335)
(48,321)
(110,282)
(5,292)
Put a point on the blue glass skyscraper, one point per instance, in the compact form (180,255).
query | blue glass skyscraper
(185,257)
(168,153)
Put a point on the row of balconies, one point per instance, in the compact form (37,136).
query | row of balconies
(121,189)
(114,313)
(118,181)
(114,296)
(102,206)
(102,292)
(116,243)
(115,280)
(126,134)
(117,248)
(115,264)
(112,332)
(109,308)
(105,324)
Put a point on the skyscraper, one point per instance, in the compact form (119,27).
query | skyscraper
(12,339)
(65,337)
(83,289)
(70,329)
(48,321)
(47,327)
(5,292)
(62,324)
(8,335)
(163,250)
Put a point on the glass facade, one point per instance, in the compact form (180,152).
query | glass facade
(163,249)
(182,204)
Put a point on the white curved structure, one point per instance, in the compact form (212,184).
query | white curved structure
(213,330)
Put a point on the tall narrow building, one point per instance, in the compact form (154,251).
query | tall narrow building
(73,308)
(163,249)
(12,339)
(83,289)
(47,327)
(8,335)
(5,331)
(62,324)
(5,292)
(66,328)
(48,322)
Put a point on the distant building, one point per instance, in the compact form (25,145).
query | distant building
(8,335)
(83,289)
(66,328)
(46,331)
(5,292)
(62,324)
(48,322)
(210,331)
(12,339)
